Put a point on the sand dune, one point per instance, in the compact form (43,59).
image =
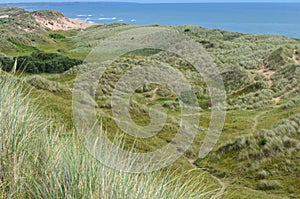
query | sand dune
(61,23)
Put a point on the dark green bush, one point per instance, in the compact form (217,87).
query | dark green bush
(57,36)
(6,63)
(40,62)
(262,142)
(268,185)
(262,175)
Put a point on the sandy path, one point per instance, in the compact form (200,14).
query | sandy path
(276,100)
(154,96)
(254,127)
(295,57)
(4,16)
(222,184)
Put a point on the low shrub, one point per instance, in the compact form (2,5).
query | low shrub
(262,175)
(57,36)
(268,185)
(40,62)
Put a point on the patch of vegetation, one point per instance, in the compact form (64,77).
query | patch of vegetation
(20,31)
(279,57)
(57,36)
(40,62)
(48,14)
(144,52)
(268,185)
(22,48)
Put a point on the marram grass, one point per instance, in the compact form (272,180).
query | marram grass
(35,162)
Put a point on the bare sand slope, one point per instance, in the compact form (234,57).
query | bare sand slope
(60,22)
(4,16)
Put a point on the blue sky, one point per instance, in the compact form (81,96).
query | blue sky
(150,1)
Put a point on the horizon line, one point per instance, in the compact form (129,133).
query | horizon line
(99,1)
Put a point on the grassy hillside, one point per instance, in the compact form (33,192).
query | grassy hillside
(257,155)
(24,32)
(39,160)
(20,32)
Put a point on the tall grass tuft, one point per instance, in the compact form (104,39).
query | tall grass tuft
(35,162)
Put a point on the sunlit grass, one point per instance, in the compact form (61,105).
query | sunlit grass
(36,162)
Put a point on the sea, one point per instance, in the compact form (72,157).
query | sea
(257,18)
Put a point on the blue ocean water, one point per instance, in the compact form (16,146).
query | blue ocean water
(257,18)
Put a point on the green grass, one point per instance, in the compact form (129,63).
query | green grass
(63,44)
(142,53)
(22,48)
(282,162)
(36,162)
